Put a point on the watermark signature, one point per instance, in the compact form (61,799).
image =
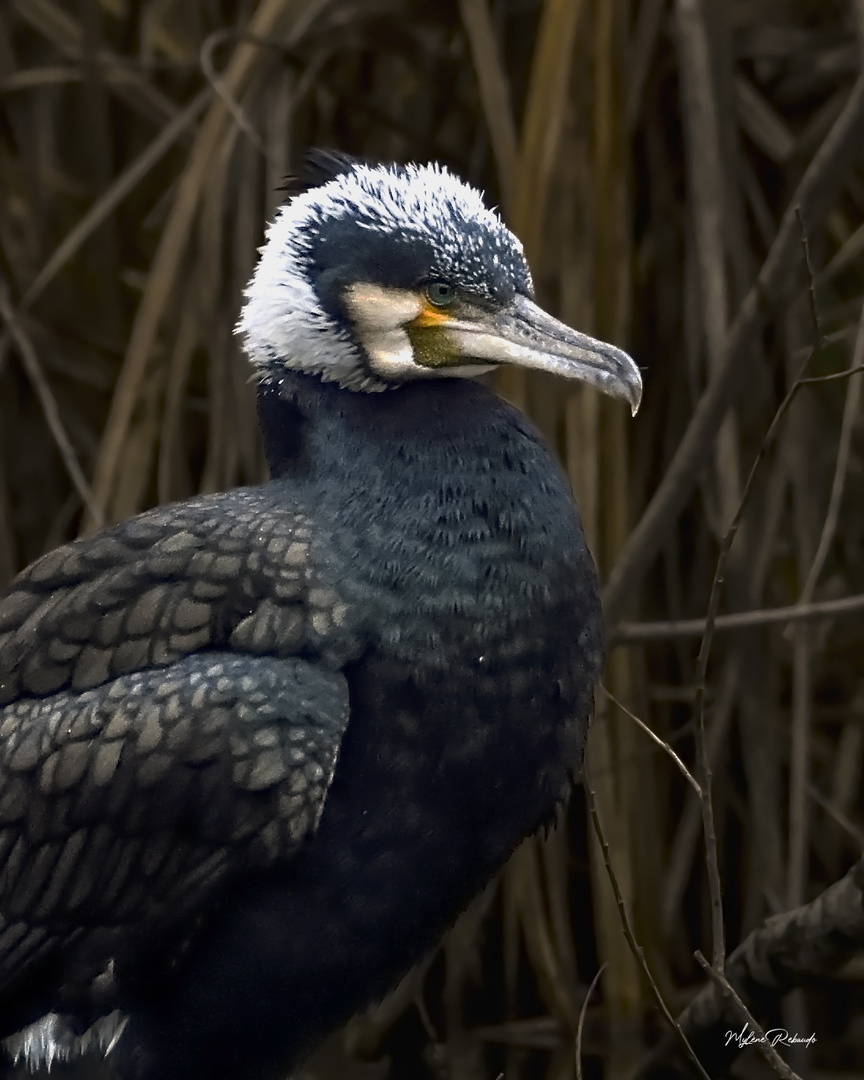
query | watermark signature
(774,1036)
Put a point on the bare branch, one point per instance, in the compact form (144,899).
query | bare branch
(818,188)
(635,947)
(111,198)
(641,633)
(746,1017)
(788,950)
(582,1014)
(847,425)
(205,58)
(685,772)
(49,404)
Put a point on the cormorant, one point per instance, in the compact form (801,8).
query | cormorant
(259,749)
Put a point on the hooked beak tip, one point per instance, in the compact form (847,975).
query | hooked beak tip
(622,377)
(635,397)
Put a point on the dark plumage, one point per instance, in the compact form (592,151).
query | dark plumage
(259,749)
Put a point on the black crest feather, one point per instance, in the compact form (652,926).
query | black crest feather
(318,167)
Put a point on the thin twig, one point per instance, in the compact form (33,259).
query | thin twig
(799,767)
(802,674)
(705,648)
(31,78)
(856,835)
(715,889)
(689,826)
(714,883)
(107,203)
(849,251)
(819,185)
(762,1043)
(49,404)
(635,947)
(208,47)
(788,950)
(701,678)
(685,772)
(69,37)
(847,426)
(834,376)
(811,280)
(582,1014)
(111,198)
(636,633)
(267,17)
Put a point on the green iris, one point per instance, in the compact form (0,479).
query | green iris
(440,293)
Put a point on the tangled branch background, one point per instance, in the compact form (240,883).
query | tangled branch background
(688,180)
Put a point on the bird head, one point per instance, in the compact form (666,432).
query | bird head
(383,274)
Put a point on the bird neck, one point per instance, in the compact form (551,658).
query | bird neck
(438,473)
(442,494)
(319,430)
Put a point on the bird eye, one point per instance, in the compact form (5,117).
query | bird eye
(440,293)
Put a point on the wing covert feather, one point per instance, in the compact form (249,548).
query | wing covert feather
(132,802)
(230,572)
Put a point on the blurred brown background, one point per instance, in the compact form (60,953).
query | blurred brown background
(647,152)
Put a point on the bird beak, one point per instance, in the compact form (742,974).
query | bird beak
(523,334)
